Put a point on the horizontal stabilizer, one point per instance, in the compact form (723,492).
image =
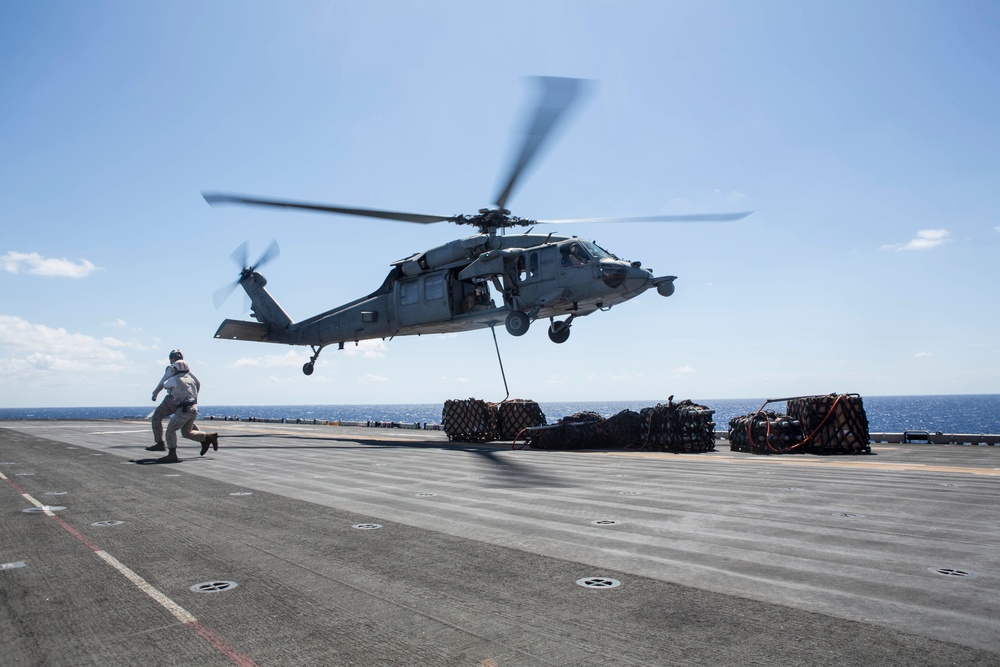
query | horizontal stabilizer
(240,330)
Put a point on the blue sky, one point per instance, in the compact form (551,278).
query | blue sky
(862,135)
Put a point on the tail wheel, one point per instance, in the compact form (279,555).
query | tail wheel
(559,332)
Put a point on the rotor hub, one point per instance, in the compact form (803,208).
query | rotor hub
(489,220)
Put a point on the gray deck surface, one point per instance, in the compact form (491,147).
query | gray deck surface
(723,558)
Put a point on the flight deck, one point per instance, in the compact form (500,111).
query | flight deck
(328,545)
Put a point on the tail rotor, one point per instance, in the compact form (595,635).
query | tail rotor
(240,257)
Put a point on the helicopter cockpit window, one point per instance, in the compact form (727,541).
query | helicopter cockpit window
(596,251)
(574,254)
(434,287)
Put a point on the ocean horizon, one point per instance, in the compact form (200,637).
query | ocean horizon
(954,413)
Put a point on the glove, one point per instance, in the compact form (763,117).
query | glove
(154,398)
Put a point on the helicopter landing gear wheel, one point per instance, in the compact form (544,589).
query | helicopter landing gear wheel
(517,323)
(559,332)
(310,365)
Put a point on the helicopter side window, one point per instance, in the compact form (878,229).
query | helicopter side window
(573,254)
(409,292)
(527,271)
(434,287)
(532,267)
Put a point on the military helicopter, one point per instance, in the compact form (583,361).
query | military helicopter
(471,283)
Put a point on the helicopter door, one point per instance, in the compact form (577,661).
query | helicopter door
(423,299)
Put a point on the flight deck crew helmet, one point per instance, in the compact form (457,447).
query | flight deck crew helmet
(181,366)
(175,355)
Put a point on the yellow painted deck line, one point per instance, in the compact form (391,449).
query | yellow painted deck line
(839,462)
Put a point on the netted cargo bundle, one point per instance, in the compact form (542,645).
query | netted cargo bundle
(515,415)
(766,432)
(625,429)
(679,427)
(588,430)
(567,435)
(834,424)
(586,417)
(469,420)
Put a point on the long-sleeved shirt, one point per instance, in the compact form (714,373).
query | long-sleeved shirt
(183,386)
(167,372)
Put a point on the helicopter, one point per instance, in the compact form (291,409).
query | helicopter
(471,283)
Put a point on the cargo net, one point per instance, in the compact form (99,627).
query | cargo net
(766,432)
(517,414)
(834,424)
(585,430)
(831,424)
(679,427)
(675,427)
(469,420)
(473,420)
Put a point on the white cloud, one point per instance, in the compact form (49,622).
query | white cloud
(290,358)
(735,194)
(921,355)
(924,240)
(997,228)
(372,379)
(367,349)
(449,380)
(37,348)
(35,264)
(683,370)
(626,376)
(127,344)
(117,324)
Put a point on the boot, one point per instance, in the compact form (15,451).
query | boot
(158,447)
(171,457)
(205,444)
(215,441)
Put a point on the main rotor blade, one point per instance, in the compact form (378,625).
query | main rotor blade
(219,198)
(557,96)
(698,217)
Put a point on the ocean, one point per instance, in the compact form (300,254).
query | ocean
(967,413)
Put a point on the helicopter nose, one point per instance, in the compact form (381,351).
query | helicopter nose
(636,279)
(624,276)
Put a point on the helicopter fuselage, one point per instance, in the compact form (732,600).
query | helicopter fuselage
(471,283)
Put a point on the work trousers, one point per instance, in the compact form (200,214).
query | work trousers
(184,422)
(166,408)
